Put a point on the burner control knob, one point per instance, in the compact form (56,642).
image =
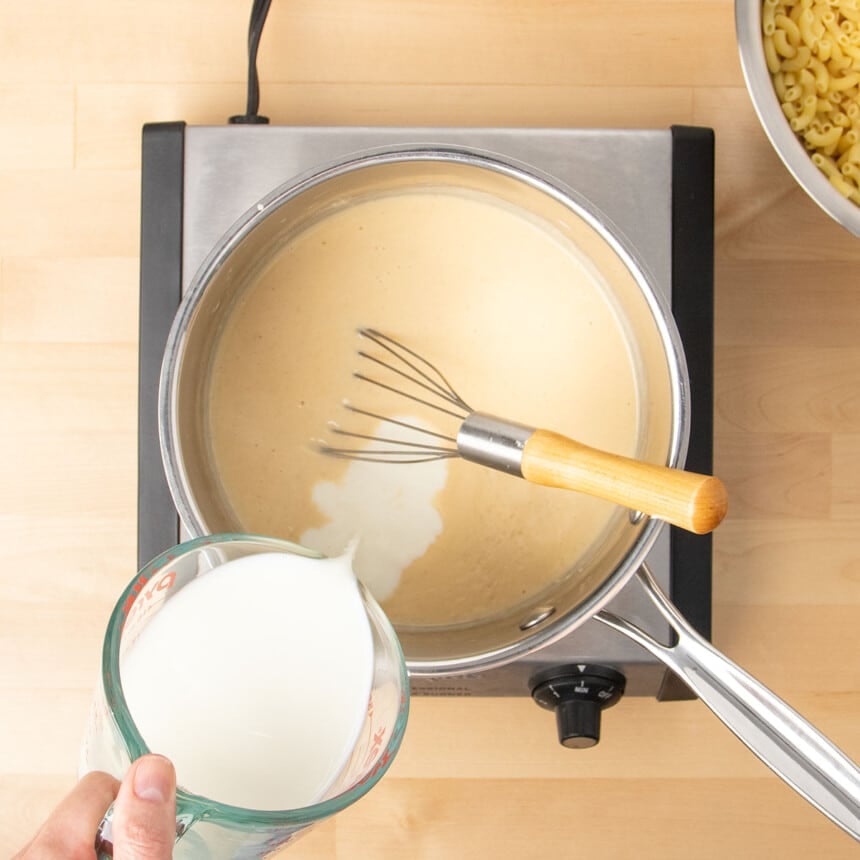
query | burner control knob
(578,693)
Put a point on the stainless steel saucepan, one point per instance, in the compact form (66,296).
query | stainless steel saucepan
(771,729)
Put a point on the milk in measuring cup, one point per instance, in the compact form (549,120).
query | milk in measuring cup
(255,679)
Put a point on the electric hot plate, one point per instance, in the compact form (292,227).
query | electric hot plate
(656,186)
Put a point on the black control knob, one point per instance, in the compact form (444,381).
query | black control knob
(578,693)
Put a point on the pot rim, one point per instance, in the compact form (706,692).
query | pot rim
(555,627)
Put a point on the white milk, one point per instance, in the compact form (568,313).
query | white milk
(392,510)
(255,679)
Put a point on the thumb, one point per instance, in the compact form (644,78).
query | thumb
(144,819)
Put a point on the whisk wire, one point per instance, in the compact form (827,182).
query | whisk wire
(415,428)
(399,362)
(432,387)
(413,397)
(392,457)
(435,380)
(390,441)
(405,451)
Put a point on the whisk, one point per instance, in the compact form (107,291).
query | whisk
(695,502)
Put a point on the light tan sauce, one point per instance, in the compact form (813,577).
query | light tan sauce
(521,327)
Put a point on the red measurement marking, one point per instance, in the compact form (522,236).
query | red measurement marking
(383,761)
(166,581)
(135,590)
(137,600)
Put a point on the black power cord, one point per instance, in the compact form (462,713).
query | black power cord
(259,11)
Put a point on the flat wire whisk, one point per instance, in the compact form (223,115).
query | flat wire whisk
(691,501)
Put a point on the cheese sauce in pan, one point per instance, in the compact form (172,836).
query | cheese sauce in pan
(523,327)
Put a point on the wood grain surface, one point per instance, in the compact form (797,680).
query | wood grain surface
(482,778)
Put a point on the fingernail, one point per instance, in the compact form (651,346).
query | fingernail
(153,779)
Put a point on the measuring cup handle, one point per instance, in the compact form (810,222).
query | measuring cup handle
(775,732)
(104,834)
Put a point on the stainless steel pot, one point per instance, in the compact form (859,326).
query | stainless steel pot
(778,735)
(651,334)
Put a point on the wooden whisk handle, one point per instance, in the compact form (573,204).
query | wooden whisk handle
(694,502)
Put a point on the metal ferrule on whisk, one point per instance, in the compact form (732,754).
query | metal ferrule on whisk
(493,442)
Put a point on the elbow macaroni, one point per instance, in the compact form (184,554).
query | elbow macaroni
(812,50)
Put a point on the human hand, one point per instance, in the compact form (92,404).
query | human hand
(144,818)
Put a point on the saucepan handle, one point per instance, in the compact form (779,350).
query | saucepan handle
(775,732)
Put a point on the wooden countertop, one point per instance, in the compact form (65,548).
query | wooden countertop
(481,778)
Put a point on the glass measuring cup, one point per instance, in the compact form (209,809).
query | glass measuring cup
(205,827)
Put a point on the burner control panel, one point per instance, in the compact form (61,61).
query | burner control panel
(578,694)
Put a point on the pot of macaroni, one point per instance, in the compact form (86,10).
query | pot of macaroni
(801,62)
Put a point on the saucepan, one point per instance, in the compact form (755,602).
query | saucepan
(461,254)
